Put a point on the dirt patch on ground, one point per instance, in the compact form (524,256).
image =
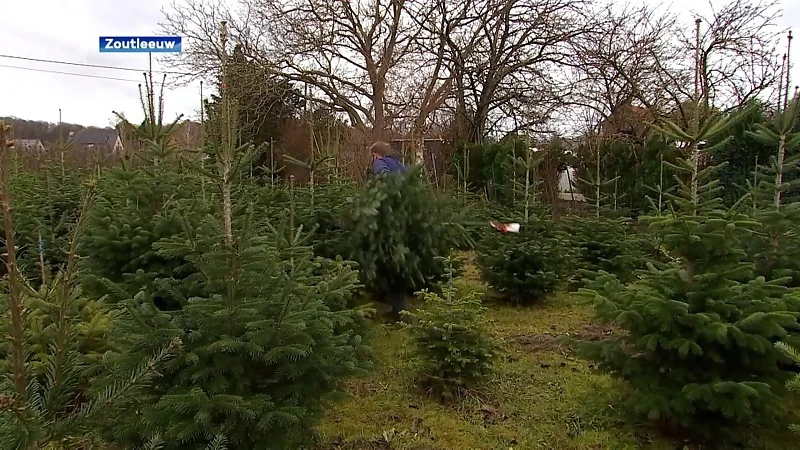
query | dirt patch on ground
(553,341)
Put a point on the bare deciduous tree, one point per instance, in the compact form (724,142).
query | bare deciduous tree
(619,63)
(738,53)
(345,50)
(636,55)
(521,42)
(430,72)
(487,66)
(199,22)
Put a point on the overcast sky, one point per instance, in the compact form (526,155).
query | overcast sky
(69,31)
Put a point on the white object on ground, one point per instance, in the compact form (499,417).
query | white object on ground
(505,227)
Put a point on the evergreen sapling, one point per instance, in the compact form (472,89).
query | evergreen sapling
(525,267)
(774,247)
(793,384)
(54,395)
(698,336)
(267,339)
(455,350)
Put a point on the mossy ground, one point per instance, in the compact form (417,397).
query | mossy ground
(540,397)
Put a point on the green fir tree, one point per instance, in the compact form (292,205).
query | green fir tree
(397,231)
(267,333)
(774,247)
(697,340)
(525,267)
(793,385)
(57,391)
(455,350)
(265,346)
(138,206)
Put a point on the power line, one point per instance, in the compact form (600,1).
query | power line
(96,66)
(71,73)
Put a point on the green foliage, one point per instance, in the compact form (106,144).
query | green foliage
(134,210)
(741,152)
(698,335)
(474,215)
(45,205)
(455,350)
(513,173)
(524,267)
(267,329)
(626,172)
(490,168)
(137,207)
(603,244)
(637,165)
(266,343)
(776,203)
(320,210)
(599,179)
(397,231)
(774,248)
(793,385)
(63,412)
(91,327)
(70,389)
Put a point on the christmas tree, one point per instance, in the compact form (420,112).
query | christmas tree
(698,337)
(525,267)
(455,350)
(397,231)
(56,388)
(138,206)
(267,334)
(264,346)
(774,247)
(793,385)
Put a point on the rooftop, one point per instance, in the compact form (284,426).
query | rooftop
(95,136)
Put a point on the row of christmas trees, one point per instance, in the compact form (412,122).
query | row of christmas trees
(705,338)
(229,333)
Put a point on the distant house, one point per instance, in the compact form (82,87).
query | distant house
(104,139)
(29,145)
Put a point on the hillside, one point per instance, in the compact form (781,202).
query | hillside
(44,131)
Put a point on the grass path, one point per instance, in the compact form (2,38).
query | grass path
(540,397)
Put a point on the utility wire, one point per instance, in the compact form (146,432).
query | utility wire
(96,66)
(71,73)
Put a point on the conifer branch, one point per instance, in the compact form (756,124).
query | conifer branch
(695,128)
(19,371)
(63,326)
(227,144)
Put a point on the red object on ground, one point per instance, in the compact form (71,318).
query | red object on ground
(505,227)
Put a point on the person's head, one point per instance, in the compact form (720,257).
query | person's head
(380,149)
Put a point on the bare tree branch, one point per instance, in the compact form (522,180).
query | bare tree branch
(521,43)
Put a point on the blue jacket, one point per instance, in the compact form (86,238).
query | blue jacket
(386,164)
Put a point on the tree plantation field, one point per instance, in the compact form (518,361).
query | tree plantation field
(569,409)
(184,303)
(573,406)
(237,294)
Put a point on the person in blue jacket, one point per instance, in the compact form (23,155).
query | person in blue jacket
(384,160)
